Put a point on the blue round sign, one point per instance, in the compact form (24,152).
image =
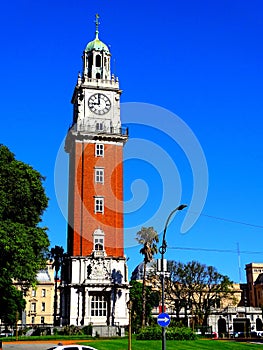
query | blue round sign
(163,319)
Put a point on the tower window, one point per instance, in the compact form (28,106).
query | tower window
(43,293)
(98,61)
(98,305)
(98,76)
(99,205)
(99,150)
(99,126)
(98,240)
(42,320)
(99,244)
(90,61)
(99,175)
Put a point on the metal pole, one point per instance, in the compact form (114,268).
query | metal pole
(162,250)
(17,316)
(163,328)
(129,304)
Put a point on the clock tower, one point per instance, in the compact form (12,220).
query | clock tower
(94,288)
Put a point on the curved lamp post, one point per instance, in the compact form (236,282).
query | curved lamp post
(163,268)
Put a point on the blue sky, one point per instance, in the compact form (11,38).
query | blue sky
(200,60)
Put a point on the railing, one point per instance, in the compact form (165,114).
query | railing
(112,81)
(104,130)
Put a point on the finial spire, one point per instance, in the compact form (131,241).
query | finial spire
(97,25)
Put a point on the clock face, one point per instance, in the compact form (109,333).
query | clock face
(99,104)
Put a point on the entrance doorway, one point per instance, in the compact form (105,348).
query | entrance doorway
(242,326)
(221,326)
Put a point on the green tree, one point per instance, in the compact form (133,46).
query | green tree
(196,287)
(151,300)
(23,243)
(56,254)
(12,302)
(148,238)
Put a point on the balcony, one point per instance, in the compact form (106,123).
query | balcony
(99,83)
(102,130)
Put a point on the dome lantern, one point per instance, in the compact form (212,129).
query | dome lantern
(96,58)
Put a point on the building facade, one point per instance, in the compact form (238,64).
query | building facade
(254,273)
(39,309)
(94,286)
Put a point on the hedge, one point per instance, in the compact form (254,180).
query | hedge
(172,333)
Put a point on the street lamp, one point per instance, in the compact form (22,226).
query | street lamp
(163,268)
(129,305)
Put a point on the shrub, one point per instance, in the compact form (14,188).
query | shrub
(172,333)
(150,333)
(87,329)
(71,330)
(180,333)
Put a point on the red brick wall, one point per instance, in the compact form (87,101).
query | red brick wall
(84,219)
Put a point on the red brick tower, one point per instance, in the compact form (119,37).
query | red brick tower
(95,144)
(95,210)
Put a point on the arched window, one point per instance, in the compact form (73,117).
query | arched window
(98,60)
(98,240)
(90,61)
(99,244)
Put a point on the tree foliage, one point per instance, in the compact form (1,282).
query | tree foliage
(148,238)
(151,298)
(196,287)
(12,302)
(23,243)
(56,254)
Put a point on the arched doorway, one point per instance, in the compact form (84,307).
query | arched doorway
(221,326)
(259,325)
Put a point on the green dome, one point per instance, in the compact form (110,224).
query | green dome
(97,45)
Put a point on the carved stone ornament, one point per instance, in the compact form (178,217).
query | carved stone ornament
(98,269)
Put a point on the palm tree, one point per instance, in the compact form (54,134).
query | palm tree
(148,237)
(56,254)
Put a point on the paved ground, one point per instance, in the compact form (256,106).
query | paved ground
(37,345)
(26,346)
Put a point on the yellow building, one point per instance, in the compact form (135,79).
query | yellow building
(40,300)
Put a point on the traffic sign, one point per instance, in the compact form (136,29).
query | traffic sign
(163,319)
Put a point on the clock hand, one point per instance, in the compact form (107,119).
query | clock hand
(98,99)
